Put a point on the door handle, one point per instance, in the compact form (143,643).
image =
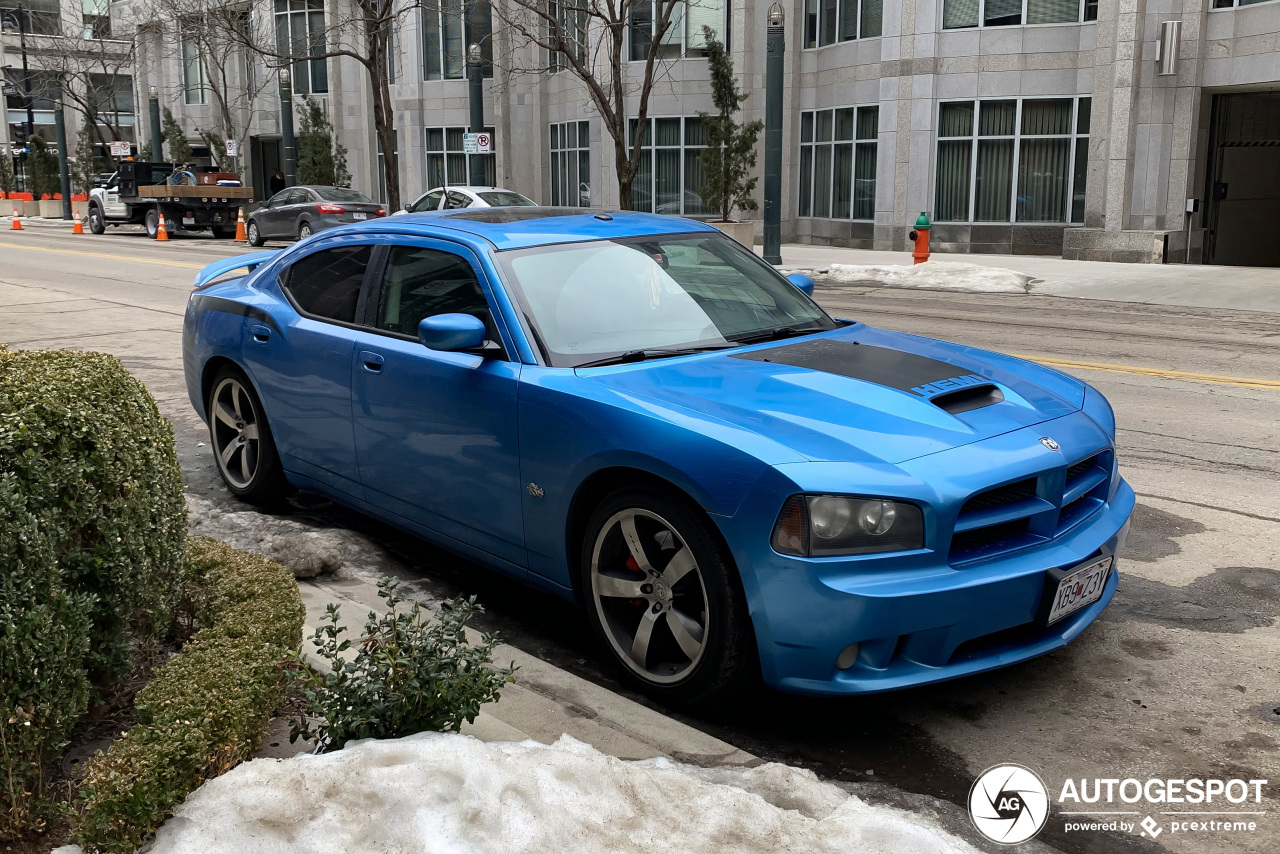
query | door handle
(371,361)
(260,333)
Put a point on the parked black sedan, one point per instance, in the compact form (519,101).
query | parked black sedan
(301,211)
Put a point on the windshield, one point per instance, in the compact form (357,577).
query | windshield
(504,198)
(342,194)
(671,292)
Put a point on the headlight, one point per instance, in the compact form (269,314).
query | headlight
(817,525)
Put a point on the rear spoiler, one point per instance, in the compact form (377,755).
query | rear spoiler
(237,262)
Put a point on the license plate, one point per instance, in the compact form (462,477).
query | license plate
(358,215)
(1075,588)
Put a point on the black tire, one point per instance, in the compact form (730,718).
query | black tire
(97,222)
(705,604)
(246,458)
(152,223)
(254,234)
(304,230)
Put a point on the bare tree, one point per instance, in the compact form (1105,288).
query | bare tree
(361,30)
(206,39)
(588,38)
(93,76)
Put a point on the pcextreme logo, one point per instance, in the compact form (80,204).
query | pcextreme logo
(1009,803)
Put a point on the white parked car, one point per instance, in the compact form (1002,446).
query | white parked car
(452,198)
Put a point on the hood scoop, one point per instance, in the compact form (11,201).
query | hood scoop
(968,399)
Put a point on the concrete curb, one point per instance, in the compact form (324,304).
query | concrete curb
(545,701)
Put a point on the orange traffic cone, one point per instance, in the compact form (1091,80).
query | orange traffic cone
(78,228)
(161,232)
(241,236)
(17,221)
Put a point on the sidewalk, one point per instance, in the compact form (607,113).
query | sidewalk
(1201,286)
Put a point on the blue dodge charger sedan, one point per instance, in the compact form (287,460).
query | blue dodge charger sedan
(636,412)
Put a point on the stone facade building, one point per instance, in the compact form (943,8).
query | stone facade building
(1019,126)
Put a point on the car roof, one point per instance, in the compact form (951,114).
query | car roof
(523,227)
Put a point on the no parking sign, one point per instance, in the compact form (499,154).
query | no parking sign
(477,143)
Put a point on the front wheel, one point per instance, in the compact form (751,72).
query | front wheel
(664,597)
(242,443)
(97,222)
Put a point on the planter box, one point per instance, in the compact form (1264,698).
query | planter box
(50,209)
(743,232)
(24,209)
(79,209)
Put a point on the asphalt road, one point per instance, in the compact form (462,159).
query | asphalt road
(1180,678)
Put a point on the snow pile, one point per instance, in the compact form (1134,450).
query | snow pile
(440,792)
(936,275)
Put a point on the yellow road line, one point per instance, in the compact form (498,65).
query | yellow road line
(106,255)
(1244,382)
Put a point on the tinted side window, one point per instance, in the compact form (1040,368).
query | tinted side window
(455,199)
(327,284)
(424,282)
(429,202)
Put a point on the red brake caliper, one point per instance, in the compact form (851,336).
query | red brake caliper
(635,567)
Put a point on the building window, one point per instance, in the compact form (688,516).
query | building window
(193,82)
(448,164)
(684,36)
(1026,162)
(570,17)
(571,164)
(670,173)
(830,21)
(838,162)
(300,33)
(957,14)
(1227,4)
(96,19)
(446,36)
(43,16)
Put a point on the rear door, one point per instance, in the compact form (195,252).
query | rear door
(303,370)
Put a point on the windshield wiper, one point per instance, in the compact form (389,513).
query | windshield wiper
(652,353)
(772,335)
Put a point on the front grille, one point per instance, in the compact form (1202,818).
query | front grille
(1074,472)
(981,542)
(1000,496)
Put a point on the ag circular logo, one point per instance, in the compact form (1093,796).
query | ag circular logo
(1008,803)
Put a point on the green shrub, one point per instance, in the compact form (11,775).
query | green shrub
(85,451)
(207,708)
(408,674)
(92,527)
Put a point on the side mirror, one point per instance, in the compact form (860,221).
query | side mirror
(408,208)
(803,282)
(451,332)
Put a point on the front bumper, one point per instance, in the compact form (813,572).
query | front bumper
(917,618)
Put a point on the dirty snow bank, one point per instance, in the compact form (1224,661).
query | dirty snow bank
(936,275)
(440,792)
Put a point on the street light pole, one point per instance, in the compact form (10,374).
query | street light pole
(289,154)
(475,80)
(773,137)
(26,72)
(157,139)
(64,174)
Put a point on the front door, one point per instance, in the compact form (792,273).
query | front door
(436,431)
(304,370)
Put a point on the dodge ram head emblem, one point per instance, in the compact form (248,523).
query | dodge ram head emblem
(1049,443)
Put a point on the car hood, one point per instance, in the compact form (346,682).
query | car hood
(857,394)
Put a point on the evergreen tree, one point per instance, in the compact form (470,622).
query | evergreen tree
(175,138)
(86,166)
(42,168)
(730,154)
(7,182)
(322,160)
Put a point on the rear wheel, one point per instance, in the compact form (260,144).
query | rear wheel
(664,597)
(243,447)
(152,223)
(304,231)
(97,222)
(254,234)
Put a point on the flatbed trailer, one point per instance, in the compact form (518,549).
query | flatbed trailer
(140,193)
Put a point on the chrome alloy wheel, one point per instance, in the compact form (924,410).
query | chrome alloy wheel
(235,433)
(649,595)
